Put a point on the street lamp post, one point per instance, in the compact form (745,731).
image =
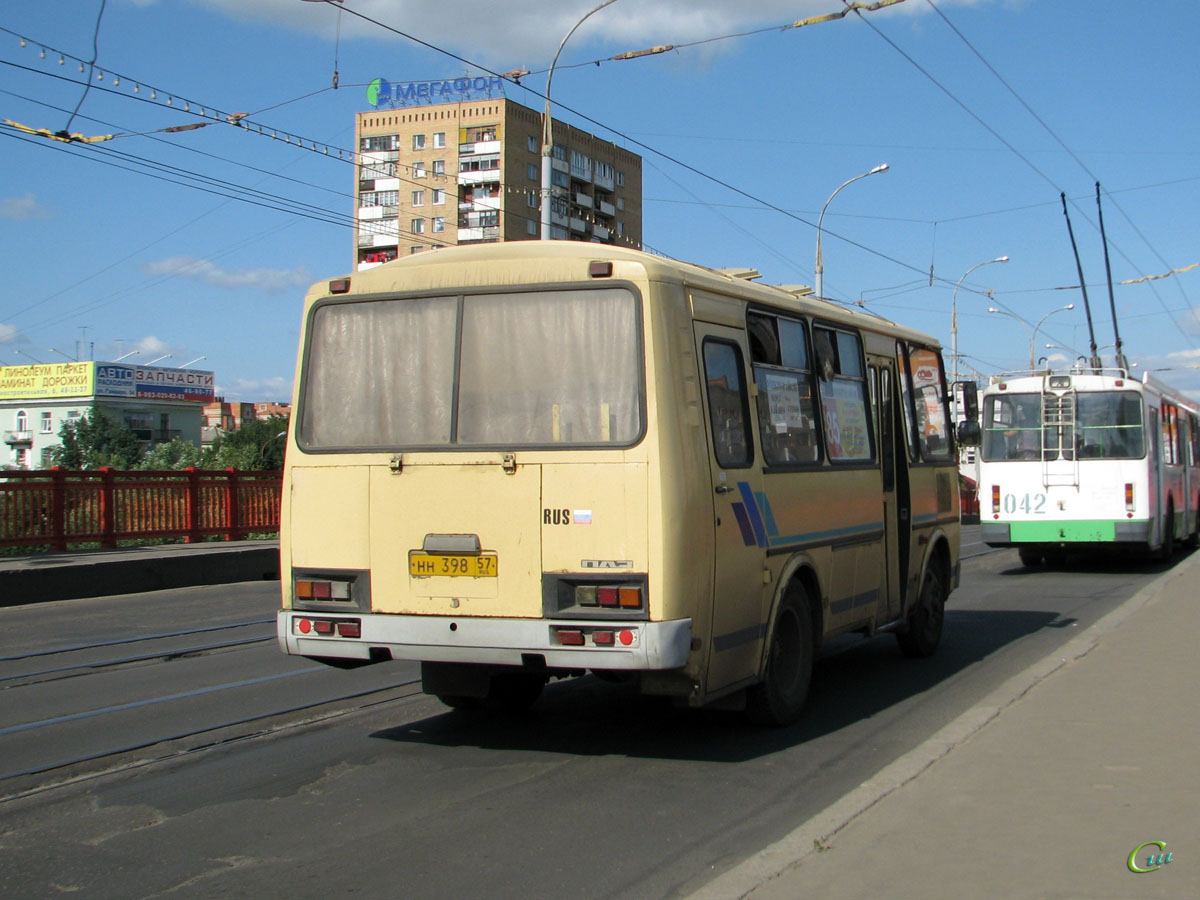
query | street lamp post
(819,267)
(954,312)
(1032,332)
(548,128)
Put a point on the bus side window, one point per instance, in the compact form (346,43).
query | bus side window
(842,385)
(786,418)
(727,407)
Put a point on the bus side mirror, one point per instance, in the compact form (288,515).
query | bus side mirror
(968,433)
(967,397)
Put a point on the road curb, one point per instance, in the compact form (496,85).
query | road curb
(814,835)
(138,573)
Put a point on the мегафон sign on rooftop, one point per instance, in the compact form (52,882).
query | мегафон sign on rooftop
(382,92)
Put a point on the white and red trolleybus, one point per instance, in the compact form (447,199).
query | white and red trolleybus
(1087,459)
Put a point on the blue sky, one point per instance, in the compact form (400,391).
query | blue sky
(984,111)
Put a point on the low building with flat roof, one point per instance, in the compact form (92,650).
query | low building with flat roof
(157,403)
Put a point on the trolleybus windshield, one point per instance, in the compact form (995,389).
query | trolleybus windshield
(1092,425)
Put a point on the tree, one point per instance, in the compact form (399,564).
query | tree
(95,441)
(256,446)
(175,454)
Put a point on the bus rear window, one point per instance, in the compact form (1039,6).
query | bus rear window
(544,368)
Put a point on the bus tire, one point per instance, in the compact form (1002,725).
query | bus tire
(1030,556)
(1167,550)
(513,692)
(779,698)
(1056,556)
(456,701)
(923,630)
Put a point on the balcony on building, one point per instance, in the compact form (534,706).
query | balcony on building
(483,233)
(600,233)
(377,240)
(479,148)
(605,208)
(578,225)
(484,176)
(581,199)
(18,438)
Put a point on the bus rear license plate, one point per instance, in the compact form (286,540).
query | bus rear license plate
(427,565)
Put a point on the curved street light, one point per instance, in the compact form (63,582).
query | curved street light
(954,312)
(548,127)
(1032,332)
(819,267)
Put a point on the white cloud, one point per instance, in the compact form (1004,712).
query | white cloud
(272,281)
(150,347)
(257,390)
(23,209)
(525,33)
(1190,322)
(8,333)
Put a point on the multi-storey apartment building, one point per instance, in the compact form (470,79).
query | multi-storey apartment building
(470,171)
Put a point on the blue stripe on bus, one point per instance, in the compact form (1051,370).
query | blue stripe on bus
(743,520)
(760,531)
(723,642)
(811,537)
(864,599)
(769,517)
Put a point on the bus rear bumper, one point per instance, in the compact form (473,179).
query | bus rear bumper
(1014,534)
(623,645)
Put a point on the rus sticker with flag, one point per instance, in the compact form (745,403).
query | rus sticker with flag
(581,517)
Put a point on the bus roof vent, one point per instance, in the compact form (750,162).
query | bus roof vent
(797,290)
(744,274)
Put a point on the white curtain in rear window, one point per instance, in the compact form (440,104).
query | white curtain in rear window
(543,368)
(380,374)
(549,368)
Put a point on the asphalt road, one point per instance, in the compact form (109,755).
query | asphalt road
(208,764)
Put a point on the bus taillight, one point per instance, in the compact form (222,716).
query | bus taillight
(625,596)
(325,589)
(996,501)
(595,637)
(347,628)
(1129,497)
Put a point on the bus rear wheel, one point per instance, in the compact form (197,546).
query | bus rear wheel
(1029,556)
(779,698)
(923,630)
(1167,550)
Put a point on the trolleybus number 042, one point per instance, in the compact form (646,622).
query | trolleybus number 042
(1030,504)
(425,565)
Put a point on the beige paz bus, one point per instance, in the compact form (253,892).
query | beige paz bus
(526,461)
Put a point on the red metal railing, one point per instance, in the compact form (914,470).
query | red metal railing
(58,507)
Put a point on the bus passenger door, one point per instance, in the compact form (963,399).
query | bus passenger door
(740,595)
(897,506)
